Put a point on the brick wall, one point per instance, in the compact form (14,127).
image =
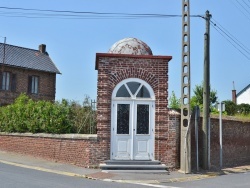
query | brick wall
(236,143)
(87,150)
(73,149)
(112,69)
(47,85)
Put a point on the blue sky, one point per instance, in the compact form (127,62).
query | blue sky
(73,43)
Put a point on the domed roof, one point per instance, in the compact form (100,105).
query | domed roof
(131,46)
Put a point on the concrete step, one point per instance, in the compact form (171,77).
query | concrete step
(132,165)
(131,162)
(164,171)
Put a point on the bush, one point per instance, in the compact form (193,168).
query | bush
(243,109)
(230,108)
(26,115)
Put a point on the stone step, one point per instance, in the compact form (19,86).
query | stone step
(132,165)
(160,171)
(131,162)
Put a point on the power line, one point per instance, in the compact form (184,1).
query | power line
(240,9)
(246,4)
(242,6)
(87,12)
(69,14)
(232,40)
(232,37)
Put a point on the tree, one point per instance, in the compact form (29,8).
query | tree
(197,99)
(174,102)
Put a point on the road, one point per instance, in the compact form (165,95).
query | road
(239,180)
(14,176)
(17,177)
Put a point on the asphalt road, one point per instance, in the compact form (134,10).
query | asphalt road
(239,180)
(17,177)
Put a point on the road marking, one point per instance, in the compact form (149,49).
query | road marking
(43,169)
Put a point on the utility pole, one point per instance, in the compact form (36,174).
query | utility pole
(185,148)
(206,95)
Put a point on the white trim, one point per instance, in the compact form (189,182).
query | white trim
(123,82)
(133,101)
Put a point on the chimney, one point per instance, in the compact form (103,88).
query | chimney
(42,48)
(234,96)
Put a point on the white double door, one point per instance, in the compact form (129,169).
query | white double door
(132,130)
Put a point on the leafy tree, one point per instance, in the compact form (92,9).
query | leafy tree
(197,99)
(174,102)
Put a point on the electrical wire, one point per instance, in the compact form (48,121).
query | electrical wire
(243,6)
(68,14)
(240,9)
(234,38)
(246,4)
(234,42)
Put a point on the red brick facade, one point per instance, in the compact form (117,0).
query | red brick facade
(112,69)
(46,86)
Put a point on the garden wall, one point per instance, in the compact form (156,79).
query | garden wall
(87,150)
(80,150)
(235,142)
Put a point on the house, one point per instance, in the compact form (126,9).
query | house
(243,97)
(24,70)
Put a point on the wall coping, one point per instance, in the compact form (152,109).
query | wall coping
(54,136)
(111,55)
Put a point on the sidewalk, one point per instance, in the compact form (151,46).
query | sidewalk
(148,177)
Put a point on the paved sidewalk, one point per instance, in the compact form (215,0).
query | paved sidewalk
(131,176)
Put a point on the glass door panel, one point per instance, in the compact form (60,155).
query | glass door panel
(142,119)
(123,111)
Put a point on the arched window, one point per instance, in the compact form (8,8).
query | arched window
(133,88)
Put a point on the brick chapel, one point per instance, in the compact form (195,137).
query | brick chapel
(132,104)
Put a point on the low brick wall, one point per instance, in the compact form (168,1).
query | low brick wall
(235,142)
(67,148)
(88,150)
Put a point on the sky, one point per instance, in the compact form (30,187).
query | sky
(73,43)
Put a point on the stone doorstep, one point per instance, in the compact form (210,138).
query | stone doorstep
(132,165)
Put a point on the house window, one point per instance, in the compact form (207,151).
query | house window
(33,84)
(5,81)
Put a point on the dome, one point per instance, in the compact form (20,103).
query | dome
(131,46)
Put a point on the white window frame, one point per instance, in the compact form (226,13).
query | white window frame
(34,84)
(142,82)
(6,81)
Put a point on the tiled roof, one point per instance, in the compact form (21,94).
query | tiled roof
(27,58)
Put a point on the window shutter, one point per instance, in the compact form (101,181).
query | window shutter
(29,84)
(13,83)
